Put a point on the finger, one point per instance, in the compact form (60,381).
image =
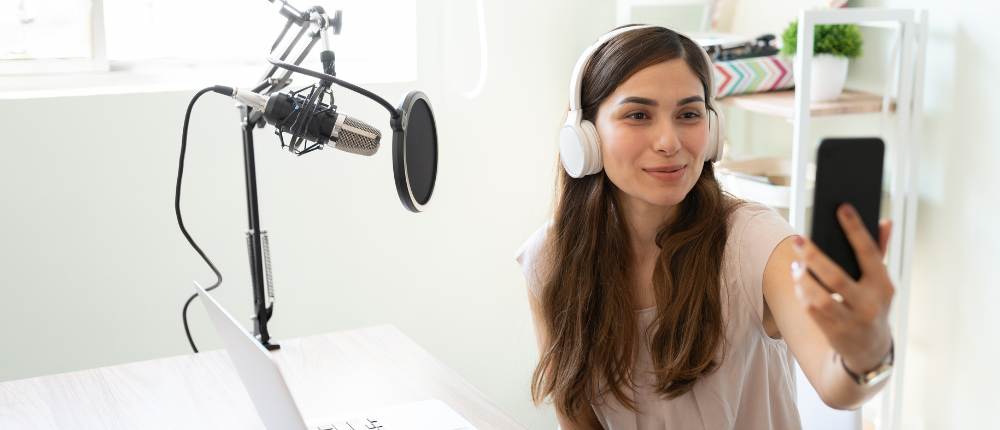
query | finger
(865,249)
(828,273)
(884,232)
(816,300)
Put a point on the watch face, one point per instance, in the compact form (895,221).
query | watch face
(878,375)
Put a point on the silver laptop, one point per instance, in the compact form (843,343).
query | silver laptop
(277,409)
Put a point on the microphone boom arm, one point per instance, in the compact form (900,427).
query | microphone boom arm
(394,113)
(260,270)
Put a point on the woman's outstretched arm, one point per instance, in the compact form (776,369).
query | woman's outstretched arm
(829,320)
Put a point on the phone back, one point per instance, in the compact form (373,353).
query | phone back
(848,170)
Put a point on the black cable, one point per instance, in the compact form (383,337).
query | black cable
(395,114)
(177,205)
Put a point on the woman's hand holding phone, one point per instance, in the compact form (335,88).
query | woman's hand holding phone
(854,315)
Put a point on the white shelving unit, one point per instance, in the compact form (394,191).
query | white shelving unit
(899,107)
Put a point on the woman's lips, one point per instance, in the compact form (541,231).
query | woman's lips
(667,173)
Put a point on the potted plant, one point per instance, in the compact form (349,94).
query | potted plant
(833,46)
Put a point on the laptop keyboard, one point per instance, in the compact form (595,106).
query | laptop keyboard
(431,414)
(356,424)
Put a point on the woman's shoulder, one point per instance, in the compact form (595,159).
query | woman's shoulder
(533,244)
(752,221)
(756,227)
(747,211)
(755,231)
(529,254)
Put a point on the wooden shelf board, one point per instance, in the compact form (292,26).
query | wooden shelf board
(782,103)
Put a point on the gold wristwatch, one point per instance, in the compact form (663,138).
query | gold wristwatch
(876,375)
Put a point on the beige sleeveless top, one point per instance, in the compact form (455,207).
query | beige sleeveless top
(754,386)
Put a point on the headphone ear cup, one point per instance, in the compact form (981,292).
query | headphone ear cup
(572,150)
(591,144)
(716,136)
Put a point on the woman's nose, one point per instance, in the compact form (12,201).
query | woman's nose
(666,141)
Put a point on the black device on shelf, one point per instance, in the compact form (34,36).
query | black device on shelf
(762,46)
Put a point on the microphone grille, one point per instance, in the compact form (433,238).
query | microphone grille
(357,137)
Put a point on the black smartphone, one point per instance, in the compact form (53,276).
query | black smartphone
(848,170)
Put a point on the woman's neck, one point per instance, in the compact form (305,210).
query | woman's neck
(643,221)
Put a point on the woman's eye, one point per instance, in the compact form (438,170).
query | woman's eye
(690,115)
(637,115)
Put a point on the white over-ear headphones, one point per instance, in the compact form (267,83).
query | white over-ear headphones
(579,145)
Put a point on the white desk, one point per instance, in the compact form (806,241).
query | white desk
(329,375)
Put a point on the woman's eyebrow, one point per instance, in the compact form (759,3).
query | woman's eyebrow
(639,100)
(691,99)
(651,102)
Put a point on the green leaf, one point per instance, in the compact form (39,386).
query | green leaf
(843,40)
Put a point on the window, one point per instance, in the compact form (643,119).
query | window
(42,36)
(377,42)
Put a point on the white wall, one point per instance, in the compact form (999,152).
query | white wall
(954,340)
(95,270)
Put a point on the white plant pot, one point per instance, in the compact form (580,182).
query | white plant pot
(829,73)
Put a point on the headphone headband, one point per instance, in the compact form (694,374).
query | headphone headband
(576,79)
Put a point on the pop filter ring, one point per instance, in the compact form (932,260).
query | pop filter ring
(400,169)
(397,122)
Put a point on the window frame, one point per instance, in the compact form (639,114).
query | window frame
(97,62)
(20,78)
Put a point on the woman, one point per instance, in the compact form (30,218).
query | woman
(661,302)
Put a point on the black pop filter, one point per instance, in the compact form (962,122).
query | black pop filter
(415,151)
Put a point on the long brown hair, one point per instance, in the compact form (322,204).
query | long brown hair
(586,300)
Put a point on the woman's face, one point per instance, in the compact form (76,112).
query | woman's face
(654,133)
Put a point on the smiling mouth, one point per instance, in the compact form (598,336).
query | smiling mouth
(666,169)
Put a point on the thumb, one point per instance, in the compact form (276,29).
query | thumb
(884,231)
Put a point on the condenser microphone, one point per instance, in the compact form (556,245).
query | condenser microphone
(284,111)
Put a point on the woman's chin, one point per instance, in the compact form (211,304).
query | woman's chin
(665,200)
(666,195)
